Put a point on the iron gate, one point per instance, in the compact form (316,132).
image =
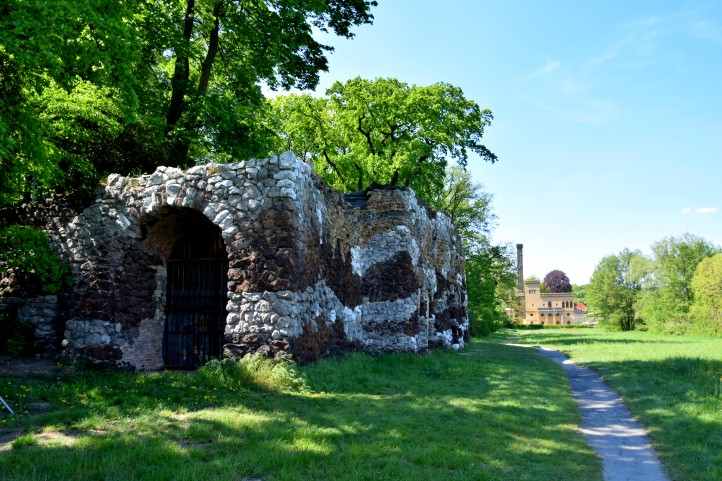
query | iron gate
(195,309)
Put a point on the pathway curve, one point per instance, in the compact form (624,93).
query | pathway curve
(608,426)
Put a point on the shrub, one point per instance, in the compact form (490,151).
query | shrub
(253,372)
(25,255)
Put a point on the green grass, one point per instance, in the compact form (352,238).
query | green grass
(671,383)
(493,412)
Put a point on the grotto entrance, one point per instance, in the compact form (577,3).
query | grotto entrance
(195,308)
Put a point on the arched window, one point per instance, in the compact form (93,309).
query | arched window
(550,303)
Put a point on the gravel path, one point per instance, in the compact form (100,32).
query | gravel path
(619,440)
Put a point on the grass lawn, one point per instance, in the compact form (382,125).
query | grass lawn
(671,383)
(493,412)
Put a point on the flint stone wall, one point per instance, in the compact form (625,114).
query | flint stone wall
(311,271)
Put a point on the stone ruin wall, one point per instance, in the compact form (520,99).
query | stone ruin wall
(311,271)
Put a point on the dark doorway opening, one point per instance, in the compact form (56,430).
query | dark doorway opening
(197,274)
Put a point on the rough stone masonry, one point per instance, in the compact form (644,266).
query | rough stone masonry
(310,270)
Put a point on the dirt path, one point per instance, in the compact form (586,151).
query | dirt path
(619,440)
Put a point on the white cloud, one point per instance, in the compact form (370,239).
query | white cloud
(549,67)
(700,210)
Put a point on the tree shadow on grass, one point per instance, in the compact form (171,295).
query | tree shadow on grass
(499,413)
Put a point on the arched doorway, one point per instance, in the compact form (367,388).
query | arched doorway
(197,276)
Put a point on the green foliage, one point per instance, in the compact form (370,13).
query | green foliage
(706,309)
(24,441)
(668,295)
(91,87)
(466,204)
(52,45)
(613,289)
(253,371)
(26,254)
(23,153)
(660,290)
(580,292)
(490,283)
(383,132)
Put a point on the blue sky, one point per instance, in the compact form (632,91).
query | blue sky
(608,115)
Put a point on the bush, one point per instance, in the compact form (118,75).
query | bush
(253,372)
(27,259)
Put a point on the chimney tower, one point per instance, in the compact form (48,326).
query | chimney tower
(520,282)
(520,267)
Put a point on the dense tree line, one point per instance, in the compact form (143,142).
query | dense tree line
(678,289)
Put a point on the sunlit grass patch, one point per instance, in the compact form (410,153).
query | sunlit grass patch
(671,383)
(492,412)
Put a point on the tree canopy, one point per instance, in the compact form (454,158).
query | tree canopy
(557,281)
(466,204)
(677,290)
(383,132)
(665,302)
(93,86)
(612,291)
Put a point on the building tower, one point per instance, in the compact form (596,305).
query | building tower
(520,281)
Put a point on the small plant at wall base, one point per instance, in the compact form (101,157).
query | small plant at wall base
(28,266)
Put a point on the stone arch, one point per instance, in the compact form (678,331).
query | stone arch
(193,287)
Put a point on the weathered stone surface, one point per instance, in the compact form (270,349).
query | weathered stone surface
(309,273)
(41,315)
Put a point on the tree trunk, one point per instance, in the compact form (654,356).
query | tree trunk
(212,50)
(181,73)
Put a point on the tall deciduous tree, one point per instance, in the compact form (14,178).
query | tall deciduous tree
(383,132)
(613,289)
(228,46)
